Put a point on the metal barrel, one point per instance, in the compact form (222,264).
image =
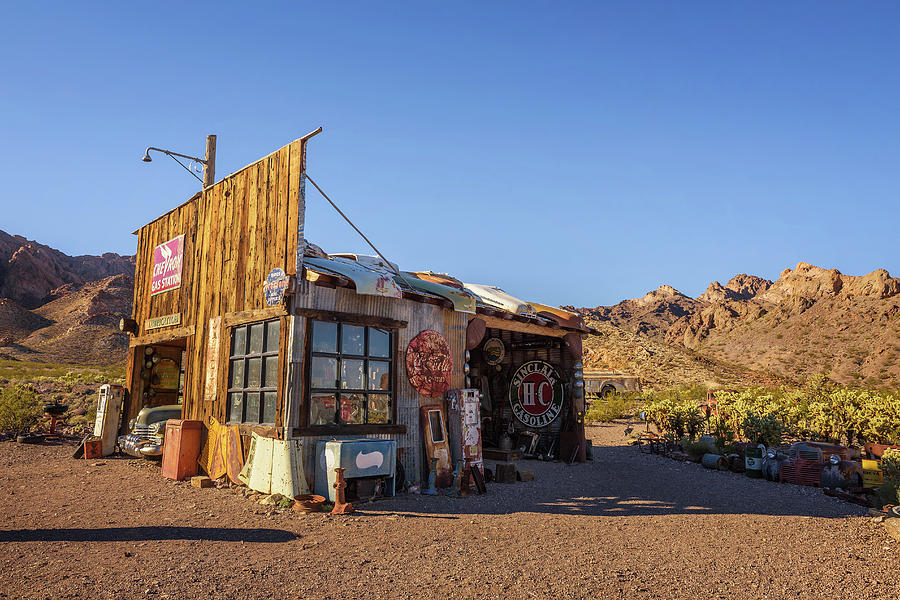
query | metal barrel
(714,461)
(753,461)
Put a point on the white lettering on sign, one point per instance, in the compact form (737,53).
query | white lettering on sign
(535,394)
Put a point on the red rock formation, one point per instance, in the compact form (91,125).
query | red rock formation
(29,271)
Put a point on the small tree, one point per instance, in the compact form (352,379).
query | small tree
(20,409)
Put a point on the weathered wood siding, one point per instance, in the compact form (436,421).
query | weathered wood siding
(235,231)
(452,325)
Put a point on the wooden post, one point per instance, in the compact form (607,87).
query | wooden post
(209,169)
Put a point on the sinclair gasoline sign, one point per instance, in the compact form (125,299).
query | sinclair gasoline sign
(535,394)
(167,259)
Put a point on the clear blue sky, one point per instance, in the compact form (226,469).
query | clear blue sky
(572,153)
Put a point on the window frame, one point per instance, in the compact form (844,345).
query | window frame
(309,390)
(245,357)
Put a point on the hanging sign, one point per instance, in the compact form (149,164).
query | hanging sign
(211,384)
(167,374)
(163,321)
(276,285)
(429,364)
(167,261)
(536,394)
(494,351)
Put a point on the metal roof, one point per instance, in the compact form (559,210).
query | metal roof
(371,275)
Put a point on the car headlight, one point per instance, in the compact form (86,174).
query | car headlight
(834,459)
(771,453)
(130,425)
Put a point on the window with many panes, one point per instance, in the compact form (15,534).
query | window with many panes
(350,374)
(253,373)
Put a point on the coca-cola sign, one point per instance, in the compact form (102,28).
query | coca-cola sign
(536,394)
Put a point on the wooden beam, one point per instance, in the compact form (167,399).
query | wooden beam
(513,325)
(162,336)
(261,430)
(350,430)
(248,316)
(352,318)
(327,280)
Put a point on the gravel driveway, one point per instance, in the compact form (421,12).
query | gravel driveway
(628,525)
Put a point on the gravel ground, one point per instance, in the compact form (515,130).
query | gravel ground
(628,525)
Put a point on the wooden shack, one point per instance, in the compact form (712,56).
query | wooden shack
(268,333)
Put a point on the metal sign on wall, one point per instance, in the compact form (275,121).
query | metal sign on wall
(163,321)
(429,364)
(211,385)
(275,287)
(167,261)
(536,394)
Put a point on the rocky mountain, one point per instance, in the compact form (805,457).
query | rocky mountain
(29,271)
(60,308)
(811,320)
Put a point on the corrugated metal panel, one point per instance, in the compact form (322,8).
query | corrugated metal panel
(419,316)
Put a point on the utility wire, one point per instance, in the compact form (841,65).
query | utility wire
(346,218)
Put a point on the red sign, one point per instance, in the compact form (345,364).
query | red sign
(429,364)
(535,394)
(167,261)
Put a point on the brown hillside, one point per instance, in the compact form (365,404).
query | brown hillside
(661,365)
(80,325)
(811,320)
(17,322)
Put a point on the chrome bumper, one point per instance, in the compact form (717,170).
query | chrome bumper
(135,445)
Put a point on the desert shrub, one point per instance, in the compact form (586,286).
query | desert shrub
(764,429)
(612,407)
(889,492)
(820,410)
(20,409)
(675,416)
(693,447)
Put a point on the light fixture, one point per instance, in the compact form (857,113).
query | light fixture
(209,163)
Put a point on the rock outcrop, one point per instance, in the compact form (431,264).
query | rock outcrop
(59,308)
(810,320)
(29,271)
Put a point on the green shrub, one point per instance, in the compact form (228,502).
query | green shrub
(675,416)
(762,430)
(20,409)
(611,407)
(889,492)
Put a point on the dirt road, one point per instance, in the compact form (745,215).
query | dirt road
(626,526)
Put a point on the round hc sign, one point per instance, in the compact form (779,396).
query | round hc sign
(535,394)
(275,286)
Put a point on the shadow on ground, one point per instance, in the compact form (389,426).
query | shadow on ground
(622,482)
(131,534)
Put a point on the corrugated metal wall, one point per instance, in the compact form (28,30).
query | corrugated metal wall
(420,317)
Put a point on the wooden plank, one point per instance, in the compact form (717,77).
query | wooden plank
(352,318)
(282,204)
(326,279)
(162,336)
(252,246)
(512,325)
(283,358)
(255,299)
(248,316)
(328,430)
(296,207)
(271,217)
(244,240)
